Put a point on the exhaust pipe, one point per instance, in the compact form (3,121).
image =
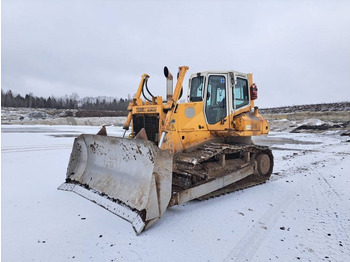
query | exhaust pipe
(169,84)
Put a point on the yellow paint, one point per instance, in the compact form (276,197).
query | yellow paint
(185,124)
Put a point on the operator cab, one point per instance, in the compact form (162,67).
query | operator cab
(222,92)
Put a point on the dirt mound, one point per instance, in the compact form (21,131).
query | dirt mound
(326,107)
(322,127)
(309,118)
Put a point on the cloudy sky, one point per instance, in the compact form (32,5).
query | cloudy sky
(298,51)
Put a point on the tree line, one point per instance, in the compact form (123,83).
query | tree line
(9,99)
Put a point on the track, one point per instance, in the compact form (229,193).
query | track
(204,163)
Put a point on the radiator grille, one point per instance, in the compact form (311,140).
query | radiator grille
(150,123)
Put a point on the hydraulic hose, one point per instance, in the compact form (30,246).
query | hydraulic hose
(148,90)
(143,93)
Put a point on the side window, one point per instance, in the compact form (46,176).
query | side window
(241,94)
(196,88)
(215,106)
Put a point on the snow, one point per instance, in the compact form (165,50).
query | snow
(302,213)
(313,121)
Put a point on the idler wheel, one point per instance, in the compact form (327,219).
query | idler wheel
(263,164)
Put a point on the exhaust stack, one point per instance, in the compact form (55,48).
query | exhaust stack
(169,84)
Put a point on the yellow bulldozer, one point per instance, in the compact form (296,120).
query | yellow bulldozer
(175,152)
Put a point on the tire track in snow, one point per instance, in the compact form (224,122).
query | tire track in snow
(328,222)
(249,244)
(324,232)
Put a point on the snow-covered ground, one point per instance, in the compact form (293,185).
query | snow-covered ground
(301,214)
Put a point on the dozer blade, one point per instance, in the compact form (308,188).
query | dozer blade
(129,177)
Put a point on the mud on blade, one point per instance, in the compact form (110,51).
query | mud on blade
(130,178)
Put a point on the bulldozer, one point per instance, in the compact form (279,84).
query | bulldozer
(175,152)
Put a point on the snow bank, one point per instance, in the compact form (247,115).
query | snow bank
(42,116)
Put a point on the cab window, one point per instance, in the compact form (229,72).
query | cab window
(241,94)
(216,99)
(196,88)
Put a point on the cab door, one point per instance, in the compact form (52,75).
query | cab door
(216,102)
(239,95)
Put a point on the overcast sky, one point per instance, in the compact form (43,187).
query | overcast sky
(298,51)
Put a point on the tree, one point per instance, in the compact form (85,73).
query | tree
(74,100)
(28,99)
(2,97)
(19,101)
(48,103)
(9,99)
(53,102)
